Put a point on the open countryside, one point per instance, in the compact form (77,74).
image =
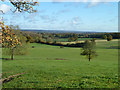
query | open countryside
(59,44)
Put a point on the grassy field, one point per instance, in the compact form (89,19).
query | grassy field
(66,39)
(53,67)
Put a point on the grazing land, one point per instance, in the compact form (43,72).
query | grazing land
(49,66)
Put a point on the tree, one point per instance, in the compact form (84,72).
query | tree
(93,40)
(9,39)
(89,49)
(109,38)
(70,39)
(75,36)
(104,37)
(23,5)
(20,50)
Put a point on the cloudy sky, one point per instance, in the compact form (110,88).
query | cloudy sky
(87,15)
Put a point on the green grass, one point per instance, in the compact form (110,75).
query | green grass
(44,70)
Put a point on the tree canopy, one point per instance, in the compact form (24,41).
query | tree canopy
(9,39)
(24,5)
(89,49)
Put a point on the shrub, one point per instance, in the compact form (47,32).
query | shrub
(61,46)
(109,38)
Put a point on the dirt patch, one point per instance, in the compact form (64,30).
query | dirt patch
(60,59)
(8,79)
(56,59)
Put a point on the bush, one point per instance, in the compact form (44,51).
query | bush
(22,50)
(104,37)
(109,38)
(33,46)
(61,46)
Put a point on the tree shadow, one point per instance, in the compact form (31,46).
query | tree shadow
(5,58)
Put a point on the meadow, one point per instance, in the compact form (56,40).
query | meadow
(49,66)
(66,39)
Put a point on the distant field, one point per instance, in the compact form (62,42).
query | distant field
(54,67)
(82,40)
(66,39)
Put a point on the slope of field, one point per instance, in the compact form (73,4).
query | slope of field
(82,40)
(53,67)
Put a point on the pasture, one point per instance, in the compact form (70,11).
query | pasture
(66,39)
(53,67)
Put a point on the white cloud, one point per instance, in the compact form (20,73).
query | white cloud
(91,2)
(76,21)
(5,8)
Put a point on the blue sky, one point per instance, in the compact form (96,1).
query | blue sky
(82,16)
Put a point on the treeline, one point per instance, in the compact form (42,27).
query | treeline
(48,38)
(101,35)
(64,45)
(36,37)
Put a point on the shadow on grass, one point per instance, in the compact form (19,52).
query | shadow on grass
(5,58)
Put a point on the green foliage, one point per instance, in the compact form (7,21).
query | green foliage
(104,36)
(109,38)
(70,39)
(49,40)
(61,46)
(88,49)
(73,37)
(29,39)
(22,50)
(18,50)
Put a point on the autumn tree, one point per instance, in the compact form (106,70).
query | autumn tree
(24,5)
(9,39)
(20,50)
(89,49)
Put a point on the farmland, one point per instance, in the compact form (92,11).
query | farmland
(59,44)
(48,66)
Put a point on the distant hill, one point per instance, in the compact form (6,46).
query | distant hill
(60,31)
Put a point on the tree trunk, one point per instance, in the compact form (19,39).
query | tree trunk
(89,58)
(12,54)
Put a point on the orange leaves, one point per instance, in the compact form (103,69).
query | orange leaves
(35,10)
(28,1)
(38,3)
(25,9)
(9,39)
(6,26)
(25,5)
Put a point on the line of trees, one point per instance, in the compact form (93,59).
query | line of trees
(37,37)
